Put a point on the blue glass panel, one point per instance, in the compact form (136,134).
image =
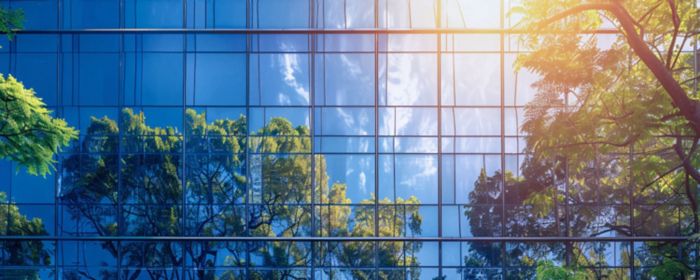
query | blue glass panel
(280,79)
(220,43)
(154,14)
(345,79)
(98,81)
(38,71)
(90,14)
(345,121)
(36,43)
(27,188)
(347,14)
(355,171)
(96,43)
(220,79)
(161,79)
(281,13)
(38,14)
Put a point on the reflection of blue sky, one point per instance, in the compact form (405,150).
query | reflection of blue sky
(471,14)
(472,87)
(283,79)
(280,13)
(356,171)
(340,14)
(348,79)
(411,79)
(345,121)
(408,175)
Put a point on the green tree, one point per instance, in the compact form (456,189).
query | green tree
(11,20)
(615,117)
(29,135)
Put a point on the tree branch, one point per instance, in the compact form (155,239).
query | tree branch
(689,108)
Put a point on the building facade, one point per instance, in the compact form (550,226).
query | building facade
(296,139)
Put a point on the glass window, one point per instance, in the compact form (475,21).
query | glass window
(471,14)
(94,43)
(355,172)
(518,84)
(408,43)
(280,79)
(407,14)
(281,13)
(471,87)
(345,79)
(38,14)
(91,14)
(345,121)
(218,14)
(408,79)
(219,43)
(38,72)
(348,14)
(471,121)
(220,79)
(28,188)
(36,43)
(161,79)
(406,176)
(344,144)
(471,42)
(98,79)
(345,42)
(407,121)
(153,14)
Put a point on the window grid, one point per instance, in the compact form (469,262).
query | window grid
(312,34)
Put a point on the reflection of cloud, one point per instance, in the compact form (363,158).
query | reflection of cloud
(349,121)
(422,168)
(411,81)
(290,69)
(363,182)
(353,68)
(404,84)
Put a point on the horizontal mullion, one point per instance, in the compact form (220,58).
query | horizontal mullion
(314,31)
(347,239)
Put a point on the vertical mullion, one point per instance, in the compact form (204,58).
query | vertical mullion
(312,124)
(247,136)
(120,102)
(376,138)
(439,129)
(502,123)
(183,179)
(59,105)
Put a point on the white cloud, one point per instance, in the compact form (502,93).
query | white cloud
(290,70)
(422,167)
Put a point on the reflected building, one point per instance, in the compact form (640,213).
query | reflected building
(302,139)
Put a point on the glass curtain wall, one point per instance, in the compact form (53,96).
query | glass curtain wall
(298,139)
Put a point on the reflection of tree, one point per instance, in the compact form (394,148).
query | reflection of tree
(133,172)
(21,253)
(535,205)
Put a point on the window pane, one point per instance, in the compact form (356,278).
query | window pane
(345,121)
(220,79)
(410,79)
(472,87)
(345,79)
(91,14)
(280,79)
(281,13)
(342,14)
